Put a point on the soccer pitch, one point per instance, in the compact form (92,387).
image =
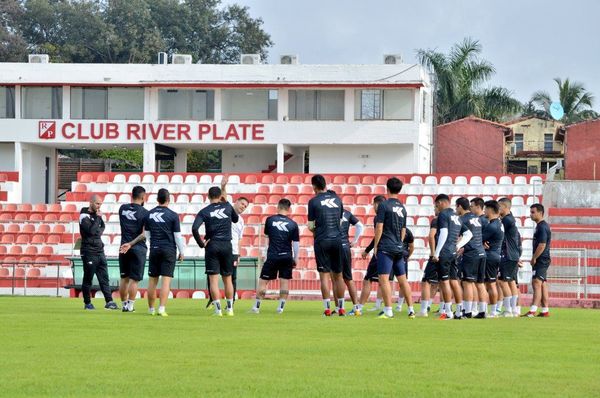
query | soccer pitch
(51,347)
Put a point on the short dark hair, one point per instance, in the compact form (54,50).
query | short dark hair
(318,181)
(506,201)
(331,191)
(394,185)
(379,199)
(492,204)
(243,198)
(214,193)
(463,203)
(284,204)
(162,196)
(442,197)
(138,192)
(478,202)
(538,206)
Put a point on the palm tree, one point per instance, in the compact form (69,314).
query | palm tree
(576,101)
(459,77)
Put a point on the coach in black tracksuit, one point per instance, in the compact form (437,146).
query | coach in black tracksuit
(91,227)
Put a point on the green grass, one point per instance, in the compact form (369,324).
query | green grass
(51,347)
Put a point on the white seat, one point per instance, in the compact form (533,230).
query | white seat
(124,198)
(427,201)
(234,179)
(520,190)
(532,200)
(527,244)
(423,221)
(429,189)
(114,218)
(110,198)
(446,180)
(474,189)
(191,179)
(152,199)
(536,180)
(416,180)
(529,223)
(183,198)
(134,179)
(198,295)
(119,179)
(504,190)
(518,223)
(161,179)
(148,179)
(413,190)
(520,180)
(410,221)
(517,201)
(505,180)
(490,180)
(412,200)
(475,180)
(177,179)
(205,179)
(461,180)
(198,199)
(431,180)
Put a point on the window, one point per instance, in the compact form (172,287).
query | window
(546,166)
(249,104)
(384,104)
(186,104)
(7,102)
(316,105)
(548,142)
(532,169)
(117,103)
(519,142)
(41,102)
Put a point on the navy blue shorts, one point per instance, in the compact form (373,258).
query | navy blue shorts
(388,263)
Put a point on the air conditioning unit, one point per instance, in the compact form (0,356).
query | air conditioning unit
(181,59)
(288,60)
(163,58)
(250,59)
(392,59)
(39,58)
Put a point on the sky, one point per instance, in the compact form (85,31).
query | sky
(529,42)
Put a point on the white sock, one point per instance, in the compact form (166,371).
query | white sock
(513,303)
(545,309)
(229,304)
(340,303)
(378,303)
(507,307)
(326,303)
(411,309)
(448,308)
(468,306)
(388,311)
(424,305)
(400,303)
(151,310)
(493,310)
(125,303)
(359,306)
(459,308)
(217,305)
(533,308)
(161,309)
(483,307)
(499,305)
(257,304)
(281,304)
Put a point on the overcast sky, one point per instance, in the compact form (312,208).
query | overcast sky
(528,41)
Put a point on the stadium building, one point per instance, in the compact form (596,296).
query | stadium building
(280,118)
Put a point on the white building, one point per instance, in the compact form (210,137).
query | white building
(349,118)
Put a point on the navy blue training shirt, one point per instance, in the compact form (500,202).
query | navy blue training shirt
(493,234)
(162,223)
(392,214)
(475,246)
(282,231)
(326,210)
(218,218)
(512,240)
(132,217)
(542,234)
(450,220)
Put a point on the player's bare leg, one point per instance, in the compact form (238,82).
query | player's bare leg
(151,293)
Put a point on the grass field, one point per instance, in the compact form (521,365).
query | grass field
(51,347)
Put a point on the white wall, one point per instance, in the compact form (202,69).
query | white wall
(396,159)
(33,176)
(248,160)
(7,157)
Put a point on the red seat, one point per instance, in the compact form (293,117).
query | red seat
(50,217)
(3,250)
(54,208)
(353,180)
(22,240)
(65,218)
(47,251)
(264,189)
(53,239)
(58,229)
(380,190)
(182,294)
(267,179)
(250,179)
(85,178)
(365,190)
(70,208)
(28,229)
(260,199)
(7,239)
(296,179)
(274,199)
(31,250)
(1,228)
(15,250)
(363,200)
(21,217)
(253,220)
(368,180)
(80,188)
(293,190)
(307,190)
(348,200)
(278,189)
(350,190)
(281,179)
(102,178)
(382,180)
(6,216)
(303,199)
(38,239)
(13,228)
(44,229)
(300,219)
(10,207)
(339,180)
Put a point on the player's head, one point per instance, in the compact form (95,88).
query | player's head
(318,183)
(492,209)
(241,204)
(442,202)
(505,205)
(138,194)
(283,206)
(214,194)
(536,212)
(163,197)
(394,185)
(95,203)
(377,200)
(477,206)
(462,205)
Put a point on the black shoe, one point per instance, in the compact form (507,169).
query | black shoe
(458,318)
(468,315)
(111,305)
(481,315)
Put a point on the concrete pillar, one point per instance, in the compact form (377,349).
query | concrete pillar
(17,102)
(19,168)
(151,104)
(349,105)
(181,160)
(217,108)
(149,157)
(66,102)
(282,104)
(280,158)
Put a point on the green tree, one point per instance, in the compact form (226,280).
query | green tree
(460,76)
(13,47)
(576,101)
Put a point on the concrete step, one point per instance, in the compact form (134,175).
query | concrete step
(577,236)
(582,220)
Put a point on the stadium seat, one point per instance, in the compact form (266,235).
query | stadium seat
(368,180)
(430,180)
(148,179)
(353,180)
